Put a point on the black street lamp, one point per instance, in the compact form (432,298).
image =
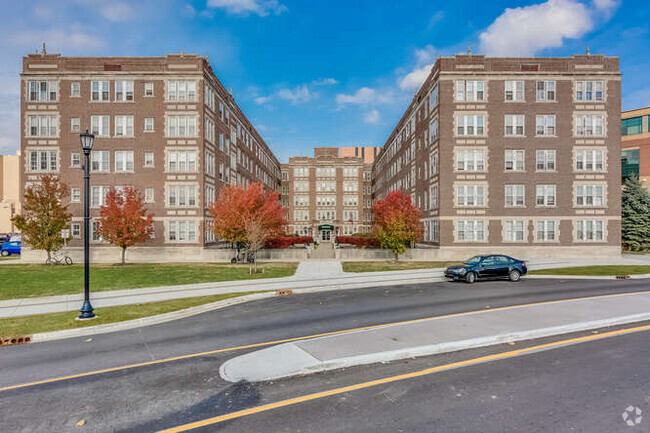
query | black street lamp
(87,145)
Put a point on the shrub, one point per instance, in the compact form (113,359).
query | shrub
(358,241)
(287,241)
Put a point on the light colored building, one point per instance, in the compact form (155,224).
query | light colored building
(635,145)
(9,191)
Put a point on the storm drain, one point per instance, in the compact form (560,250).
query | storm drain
(12,341)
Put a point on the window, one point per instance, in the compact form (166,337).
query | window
(75,195)
(210,163)
(514,91)
(181,126)
(75,124)
(546,231)
(99,91)
(43,126)
(148,195)
(470,91)
(632,126)
(100,160)
(43,161)
(350,172)
(123,91)
(433,163)
(326,186)
(515,160)
(181,231)
(470,195)
(98,195)
(209,194)
(348,200)
(75,90)
(350,186)
(301,215)
(124,126)
(589,160)
(181,91)
(301,200)
(589,125)
(589,230)
(589,195)
(545,91)
(303,171)
(181,195)
(433,130)
(75,160)
(545,125)
(148,159)
(148,89)
(221,110)
(470,159)
(468,124)
(470,231)
(326,215)
(514,231)
(301,186)
(148,124)
(589,91)
(100,126)
(221,140)
(630,163)
(124,160)
(209,130)
(514,125)
(43,91)
(545,160)
(433,197)
(434,98)
(181,161)
(210,96)
(75,230)
(515,195)
(545,195)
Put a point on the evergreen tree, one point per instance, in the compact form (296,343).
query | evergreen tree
(635,212)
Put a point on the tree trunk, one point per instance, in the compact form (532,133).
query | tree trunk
(396,256)
(123,256)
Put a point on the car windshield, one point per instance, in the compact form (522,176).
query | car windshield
(473,261)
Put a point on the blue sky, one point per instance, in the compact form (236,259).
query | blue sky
(314,73)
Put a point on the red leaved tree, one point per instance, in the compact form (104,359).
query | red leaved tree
(250,215)
(397,222)
(124,221)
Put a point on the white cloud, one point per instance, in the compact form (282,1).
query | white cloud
(297,95)
(365,96)
(425,55)
(524,31)
(325,82)
(117,12)
(260,100)
(57,39)
(246,7)
(372,117)
(435,19)
(414,79)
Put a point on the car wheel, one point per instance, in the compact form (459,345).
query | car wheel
(5,253)
(514,275)
(470,277)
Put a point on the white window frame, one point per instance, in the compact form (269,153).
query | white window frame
(589,125)
(589,230)
(545,125)
(515,89)
(184,231)
(149,89)
(182,126)
(75,89)
(474,121)
(100,159)
(514,125)
(470,160)
(149,160)
(181,161)
(470,195)
(100,125)
(546,195)
(515,160)
(586,157)
(547,231)
(546,91)
(43,91)
(44,160)
(590,195)
(39,125)
(100,91)
(181,91)
(513,192)
(149,124)
(124,162)
(589,91)
(182,195)
(470,91)
(543,158)
(474,228)
(514,230)
(124,126)
(124,91)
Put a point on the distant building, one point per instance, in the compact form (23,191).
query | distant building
(9,191)
(635,145)
(329,194)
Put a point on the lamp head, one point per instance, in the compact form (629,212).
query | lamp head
(87,141)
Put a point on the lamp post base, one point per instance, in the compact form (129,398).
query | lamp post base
(86,311)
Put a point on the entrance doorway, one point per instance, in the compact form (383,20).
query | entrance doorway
(325,232)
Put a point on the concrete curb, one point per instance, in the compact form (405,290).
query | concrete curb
(587,277)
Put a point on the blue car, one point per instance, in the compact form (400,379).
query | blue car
(9,248)
(487,267)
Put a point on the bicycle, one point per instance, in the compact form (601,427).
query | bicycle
(57,259)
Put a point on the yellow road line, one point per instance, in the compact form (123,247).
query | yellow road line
(288,340)
(400,377)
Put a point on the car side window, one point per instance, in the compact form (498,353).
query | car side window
(488,261)
(501,260)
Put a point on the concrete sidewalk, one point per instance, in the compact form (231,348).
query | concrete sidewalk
(437,335)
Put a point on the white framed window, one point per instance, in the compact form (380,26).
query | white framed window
(546,231)
(209,130)
(348,200)
(589,91)
(515,196)
(350,215)
(209,97)
(75,124)
(591,160)
(433,100)
(546,91)
(470,124)
(100,126)
(148,195)
(123,91)
(181,231)
(514,231)
(149,159)
(545,195)
(350,186)
(470,91)
(301,215)
(470,159)
(350,172)
(43,91)
(124,126)
(545,160)
(209,194)
(545,125)
(589,125)
(470,195)
(181,195)
(181,91)
(99,91)
(326,186)
(514,91)
(515,160)
(124,161)
(148,124)
(302,200)
(98,195)
(75,160)
(304,171)
(75,195)
(589,195)
(75,89)
(181,126)
(589,230)
(181,161)
(433,197)
(100,161)
(43,161)
(320,172)
(433,130)
(75,230)
(514,125)
(148,89)
(325,215)
(433,163)
(470,231)
(43,126)
(210,163)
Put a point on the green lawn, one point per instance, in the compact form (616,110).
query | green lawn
(606,270)
(23,281)
(27,325)
(392,266)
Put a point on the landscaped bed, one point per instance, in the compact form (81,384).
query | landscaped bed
(392,266)
(604,270)
(24,281)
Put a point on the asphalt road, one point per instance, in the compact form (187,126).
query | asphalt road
(158,396)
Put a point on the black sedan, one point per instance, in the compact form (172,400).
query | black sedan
(488,267)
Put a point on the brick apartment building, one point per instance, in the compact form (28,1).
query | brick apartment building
(164,125)
(512,155)
(635,144)
(329,194)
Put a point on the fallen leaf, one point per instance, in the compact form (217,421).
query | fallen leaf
(81,422)
(88,340)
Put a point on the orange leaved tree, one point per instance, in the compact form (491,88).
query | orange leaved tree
(123,220)
(250,215)
(397,222)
